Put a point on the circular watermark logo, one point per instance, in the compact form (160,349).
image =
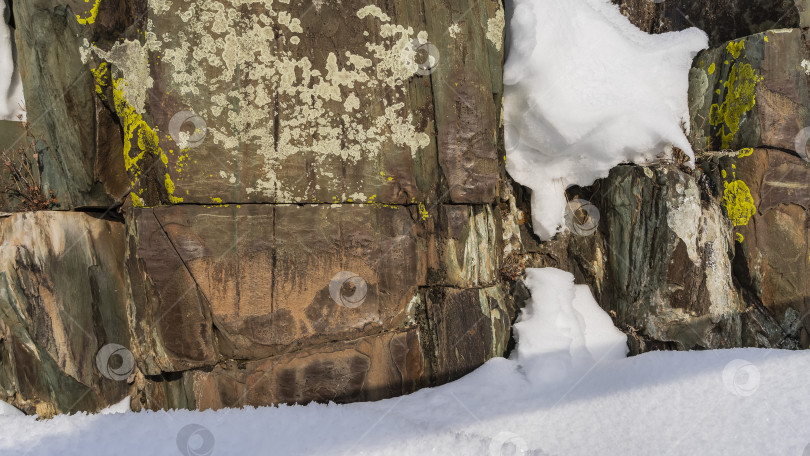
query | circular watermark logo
(741,377)
(508,444)
(184,139)
(424,55)
(348,289)
(800,143)
(581,217)
(195,440)
(115,362)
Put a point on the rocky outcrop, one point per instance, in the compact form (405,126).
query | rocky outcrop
(308,202)
(715,257)
(309,191)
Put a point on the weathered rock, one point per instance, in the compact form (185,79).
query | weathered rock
(766,194)
(369,368)
(352,158)
(78,143)
(752,92)
(360,98)
(469,326)
(660,262)
(722,20)
(260,275)
(62,297)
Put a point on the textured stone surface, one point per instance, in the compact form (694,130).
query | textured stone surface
(722,20)
(78,143)
(369,368)
(379,122)
(752,92)
(62,297)
(767,192)
(354,116)
(259,276)
(469,326)
(660,262)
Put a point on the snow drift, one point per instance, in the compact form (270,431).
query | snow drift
(586,90)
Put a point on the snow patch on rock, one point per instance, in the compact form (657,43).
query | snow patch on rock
(585,90)
(11,92)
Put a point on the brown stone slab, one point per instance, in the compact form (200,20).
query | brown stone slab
(269,275)
(370,368)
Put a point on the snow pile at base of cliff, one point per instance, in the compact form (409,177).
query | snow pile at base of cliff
(568,390)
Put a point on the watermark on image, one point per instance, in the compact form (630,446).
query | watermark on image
(741,377)
(424,55)
(508,444)
(183,138)
(348,289)
(581,217)
(115,362)
(195,440)
(800,143)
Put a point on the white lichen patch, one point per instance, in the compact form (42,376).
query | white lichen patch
(683,216)
(131,60)
(242,73)
(495,27)
(806,66)
(454,30)
(372,10)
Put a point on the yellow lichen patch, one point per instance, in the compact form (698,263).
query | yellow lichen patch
(745,152)
(739,237)
(138,131)
(93,14)
(740,98)
(99,75)
(136,200)
(734,48)
(739,202)
(711,68)
(216,200)
(423,212)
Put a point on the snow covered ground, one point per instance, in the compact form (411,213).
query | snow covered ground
(735,402)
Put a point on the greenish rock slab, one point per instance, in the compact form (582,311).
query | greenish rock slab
(469,327)
(467,246)
(659,261)
(751,92)
(62,298)
(77,141)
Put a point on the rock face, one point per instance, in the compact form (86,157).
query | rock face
(63,298)
(715,257)
(309,192)
(292,202)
